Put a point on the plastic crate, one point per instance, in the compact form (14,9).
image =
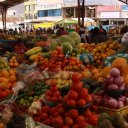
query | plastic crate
(123,111)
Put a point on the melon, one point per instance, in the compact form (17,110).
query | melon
(66,47)
(53,45)
(66,38)
(76,37)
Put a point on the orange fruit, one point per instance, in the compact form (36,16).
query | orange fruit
(11,61)
(11,64)
(12,72)
(12,79)
(3,80)
(16,64)
(94,71)
(4,73)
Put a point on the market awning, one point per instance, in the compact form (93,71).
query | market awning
(124,1)
(67,21)
(44,25)
(4,5)
(10,3)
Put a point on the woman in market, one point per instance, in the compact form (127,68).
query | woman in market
(84,37)
(97,36)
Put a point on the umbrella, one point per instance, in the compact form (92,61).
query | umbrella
(67,21)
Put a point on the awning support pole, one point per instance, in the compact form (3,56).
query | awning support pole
(3,10)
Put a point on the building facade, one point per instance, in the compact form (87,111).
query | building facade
(30,9)
(53,10)
(49,9)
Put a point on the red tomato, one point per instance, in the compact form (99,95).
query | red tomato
(55,114)
(77,86)
(48,93)
(69,121)
(53,82)
(87,113)
(65,98)
(79,119)
(58,122)
(66,126)
(61,55)
(45,109)
(61,110)
(56,94)
(83,93)
(48,98)
(73,95)
(73,113)
(93,120)
(76,77)
(54,99)
(59,48)
(54,89)
(39,113)
(44,116)
(37,119)
(83,125)
(71,103)
(75,126)
(53,110)
(89,99)
(81,102)
(47,122)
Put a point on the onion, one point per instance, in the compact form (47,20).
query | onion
(122,87)
(108,81)
(123,99)
(120,104)
(113,103)
(97,100)
(113,87)
(115,72)
(119,80)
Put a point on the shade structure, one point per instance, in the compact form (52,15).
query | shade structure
(44,25)
(124,1)
(4,5)
(10,3)
(66,21)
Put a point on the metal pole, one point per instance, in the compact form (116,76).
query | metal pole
(79,12)
(83,12)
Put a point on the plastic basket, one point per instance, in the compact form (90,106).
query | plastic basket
(80,109)
(123,111)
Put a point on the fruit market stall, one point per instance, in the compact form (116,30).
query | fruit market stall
(63,83)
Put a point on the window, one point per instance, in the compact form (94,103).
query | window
(32,7)
(27,8)
(49,13)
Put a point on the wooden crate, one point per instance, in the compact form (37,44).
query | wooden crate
(123,111)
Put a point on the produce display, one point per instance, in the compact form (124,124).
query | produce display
(7,81)
(62,83)
(13,62)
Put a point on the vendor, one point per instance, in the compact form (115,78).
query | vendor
(20,48)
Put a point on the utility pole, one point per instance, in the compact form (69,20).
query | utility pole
(81,11)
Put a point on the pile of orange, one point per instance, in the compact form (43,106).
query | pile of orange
(7,81)
(97,74)
(13,62)
(103,50)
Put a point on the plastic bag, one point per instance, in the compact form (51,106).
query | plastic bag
(30,123)
(108,61)
(28,74)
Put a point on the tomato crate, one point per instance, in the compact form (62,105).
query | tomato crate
(123,111)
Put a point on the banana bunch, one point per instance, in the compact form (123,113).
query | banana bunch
(3,64)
